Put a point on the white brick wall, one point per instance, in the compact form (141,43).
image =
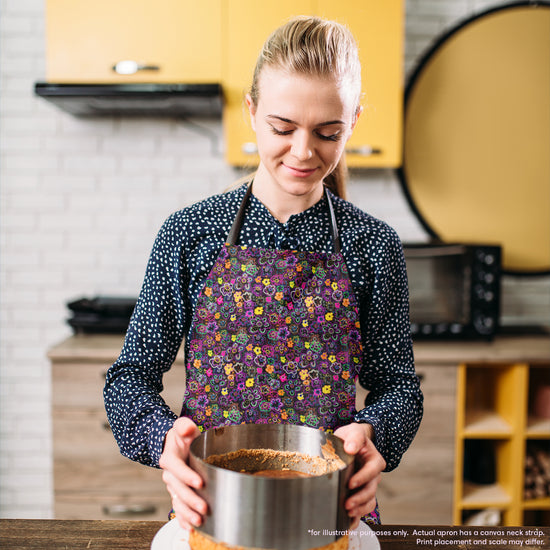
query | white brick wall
(81,202)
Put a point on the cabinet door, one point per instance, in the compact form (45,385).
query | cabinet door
(86,39)
(378,28)
(248,23)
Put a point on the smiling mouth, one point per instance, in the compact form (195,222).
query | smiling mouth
(300,172)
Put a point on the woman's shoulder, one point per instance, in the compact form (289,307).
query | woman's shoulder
(216,210)
(353,221)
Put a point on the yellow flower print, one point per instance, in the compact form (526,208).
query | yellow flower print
(329,316)
(266,281)
(282,359)
(305,323)
(249,382)
(334,285)
(326,389)
(300,397)
(228,368)
(257,350)
(258,310)
(304,374)
(225,391)
(233,317)
(226,414)
(332,358)
(307,345)
(220,280)
(238,296)
(309,301)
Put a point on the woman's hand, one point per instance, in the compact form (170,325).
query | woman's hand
(181,481)
(364,482)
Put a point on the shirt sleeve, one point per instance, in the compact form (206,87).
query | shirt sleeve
(394,404)
(138,416)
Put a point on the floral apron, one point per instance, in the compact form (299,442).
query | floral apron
(275,338)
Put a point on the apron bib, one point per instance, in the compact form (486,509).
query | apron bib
(275,338)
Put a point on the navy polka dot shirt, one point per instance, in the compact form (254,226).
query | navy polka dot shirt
(184,252)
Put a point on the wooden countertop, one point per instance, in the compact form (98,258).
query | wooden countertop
(531,349)
(27,534)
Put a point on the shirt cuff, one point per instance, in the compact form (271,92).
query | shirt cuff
(379,439)
(157,435)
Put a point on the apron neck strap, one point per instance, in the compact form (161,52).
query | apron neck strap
(233,235)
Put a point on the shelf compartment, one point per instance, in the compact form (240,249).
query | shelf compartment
(484,496)
(491,405)
(538,420)
(486,424)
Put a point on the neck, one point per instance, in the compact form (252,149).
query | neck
(283,204)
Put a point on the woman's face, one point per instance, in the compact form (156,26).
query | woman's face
(302,124)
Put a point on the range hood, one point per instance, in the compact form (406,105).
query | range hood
(134,99)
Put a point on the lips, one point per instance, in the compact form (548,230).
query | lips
(299,172)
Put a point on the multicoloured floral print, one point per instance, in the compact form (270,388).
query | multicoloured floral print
(276,339)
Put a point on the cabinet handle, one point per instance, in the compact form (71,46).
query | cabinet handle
(249,148)
(364,150)
(129,509)
(131,67)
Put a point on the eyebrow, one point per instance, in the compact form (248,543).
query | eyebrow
(289,121)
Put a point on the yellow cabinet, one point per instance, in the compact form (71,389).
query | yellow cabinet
(170,41)
(497,429)
(378,29)
(248,24)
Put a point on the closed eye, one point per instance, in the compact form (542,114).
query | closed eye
(279,132)
(331,137)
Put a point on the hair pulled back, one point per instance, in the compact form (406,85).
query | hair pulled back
(309,45)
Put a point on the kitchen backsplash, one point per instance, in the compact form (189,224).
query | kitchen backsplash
(81,202)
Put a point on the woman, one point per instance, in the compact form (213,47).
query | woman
(284,292)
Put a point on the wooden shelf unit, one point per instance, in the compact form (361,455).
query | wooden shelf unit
(495,409)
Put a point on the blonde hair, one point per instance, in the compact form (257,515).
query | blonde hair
(309,45)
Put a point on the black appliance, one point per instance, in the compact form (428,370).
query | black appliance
(134,99)
(102,314)
(454,290)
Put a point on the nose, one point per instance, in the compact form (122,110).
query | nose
(301,147)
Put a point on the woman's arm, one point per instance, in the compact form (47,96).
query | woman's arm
(394,405)
(138,416)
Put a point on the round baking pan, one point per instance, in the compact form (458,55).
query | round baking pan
(273,512)
(476,155)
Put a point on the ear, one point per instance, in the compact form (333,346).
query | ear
(358,111)
(251,110)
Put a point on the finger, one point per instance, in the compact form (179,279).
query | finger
(180,470)
(360,511)
(187,501)
(186,428)
(187,517)
(366,494)
(370,470)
